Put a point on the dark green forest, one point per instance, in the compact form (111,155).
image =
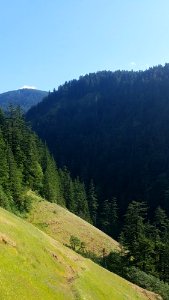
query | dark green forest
(143,258)
(25,163)
(112,128)
(144,249)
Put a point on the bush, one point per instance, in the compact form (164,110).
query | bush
(75,242)
(24,203)
(118,263)
(148,282)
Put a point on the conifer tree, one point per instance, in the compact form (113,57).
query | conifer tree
(93,202)
(2,119)
(5,200)
(161,232)
(114,218)
(51,182)
(160,220)
(4,173)
(15,129)
(15,179)
(137,236)
(80,197)
(105,216)
(67,187)
(33,174)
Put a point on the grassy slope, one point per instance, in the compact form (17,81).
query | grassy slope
(34,266)
(61,224)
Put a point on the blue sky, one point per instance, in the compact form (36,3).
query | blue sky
(44,43)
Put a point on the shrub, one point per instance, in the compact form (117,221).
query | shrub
(148,282)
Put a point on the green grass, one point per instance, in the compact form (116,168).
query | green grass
(35,266)
(60,224)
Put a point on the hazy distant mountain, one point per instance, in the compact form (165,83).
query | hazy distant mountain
(25,97)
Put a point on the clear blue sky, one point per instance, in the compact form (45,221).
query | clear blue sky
(43,43)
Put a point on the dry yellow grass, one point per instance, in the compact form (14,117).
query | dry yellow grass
(60,224)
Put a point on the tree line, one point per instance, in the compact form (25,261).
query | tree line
(143,258)
(144,249)
(26,163)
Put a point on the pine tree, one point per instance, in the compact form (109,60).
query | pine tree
(4,172)
(105,216)
(67,188)
(15,129)
(160,220)
(2,119)
(114,218)
(33,174)
(80,196)
(137,236)
(5,200)
(51,182)
(161,232)
(15,180)
(93,202)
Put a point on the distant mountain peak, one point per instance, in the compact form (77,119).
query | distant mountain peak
(25,97)
(29,87)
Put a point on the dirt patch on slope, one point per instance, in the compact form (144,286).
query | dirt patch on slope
(147,294)
(6,240)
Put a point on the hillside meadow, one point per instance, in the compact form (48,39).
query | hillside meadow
(35,266)
(60,224)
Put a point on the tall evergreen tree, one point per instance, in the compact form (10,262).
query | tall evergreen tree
(33,174)
(80,196)
(114,218)
(161,232)
(105,216)
(2,119)
(93,202)
(15,179)
(51,183)
(4,172)
(15,131)
(67,187)
(136,236)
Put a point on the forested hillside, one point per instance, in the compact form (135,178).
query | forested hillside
(27,164)
(24,97)
(112,128)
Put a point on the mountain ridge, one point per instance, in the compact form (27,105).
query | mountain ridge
(24,97)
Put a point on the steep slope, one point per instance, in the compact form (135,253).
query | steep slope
(34,266)
(25,98)
(60,224)
(112,127)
